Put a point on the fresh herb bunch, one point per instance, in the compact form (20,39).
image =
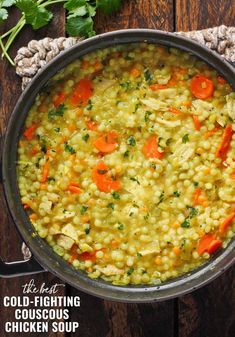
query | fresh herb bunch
(79,21)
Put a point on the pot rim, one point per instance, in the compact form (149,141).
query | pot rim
(41,250)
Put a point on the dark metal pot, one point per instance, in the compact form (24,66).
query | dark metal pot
(46,257)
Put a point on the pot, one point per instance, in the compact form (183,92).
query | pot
(44,258)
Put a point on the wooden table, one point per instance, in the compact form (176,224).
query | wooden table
(209,311)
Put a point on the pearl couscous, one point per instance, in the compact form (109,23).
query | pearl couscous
(126,165)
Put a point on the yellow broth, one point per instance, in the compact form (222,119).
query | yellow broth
(126,163)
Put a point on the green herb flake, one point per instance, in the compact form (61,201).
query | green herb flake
(83,209)
(111,205)
(135,179)
(139,255)
(195,183)
(126,154)
(56,112)
(185,138)
(131,141)
(186,223)
(102,171)
(69,148)
(130,271)
(176,194)
(146,116)
(90,105)
(120,226)
(57,130)
(192,212)
(87,229)
(116,195)
(125,85)
(85,137)
(147,75)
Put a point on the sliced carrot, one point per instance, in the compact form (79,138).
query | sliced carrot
(33,216)
(102,179)
(72,127)
(135,72)
(233,175)
(187,104)
(200,198)
(74,188)
(97,65)
(221,80)
(225,143)
(91,125)
(30,132)
(201,87)
(226,223)
(158,261)
(45,171)
(150,149)
(197,124)
(115,243)
(43,187)
(212,132)
(26,206)
(176,251)
(85,64)
(175,111)
(35,149)
(208,243)
(73,253)
(107,143)
(197,194)
(82,92)
(90,255)
(156,86)
(59,100)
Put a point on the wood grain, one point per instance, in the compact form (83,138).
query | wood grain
(100,318)
(139,14)
(209,311)
(199,14)
(10,248)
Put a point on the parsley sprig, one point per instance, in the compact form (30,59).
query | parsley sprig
(79,20)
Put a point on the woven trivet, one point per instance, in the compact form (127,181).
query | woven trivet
(29,60)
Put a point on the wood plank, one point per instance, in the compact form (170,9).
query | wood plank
(139,14)
(209,311)
(10,248)
(100,318)
(199,14)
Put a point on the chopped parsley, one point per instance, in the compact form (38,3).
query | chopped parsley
(120,226)
(186,223)
(176,194)
(131,141)
(146,116)
(84,209)
(85,137)
(125,85)
(185,138)
(192,212)
(57,129)
(135,179)
(69,148)
(195,183)
(139,255)
(90,105)
(130,271)
(116,195)
(87,229)
(111,205)
(56,112)
(147,75)
(126,154)
(44,148)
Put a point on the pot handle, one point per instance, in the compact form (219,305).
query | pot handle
(20,268)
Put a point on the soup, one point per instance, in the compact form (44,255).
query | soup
(126,163)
